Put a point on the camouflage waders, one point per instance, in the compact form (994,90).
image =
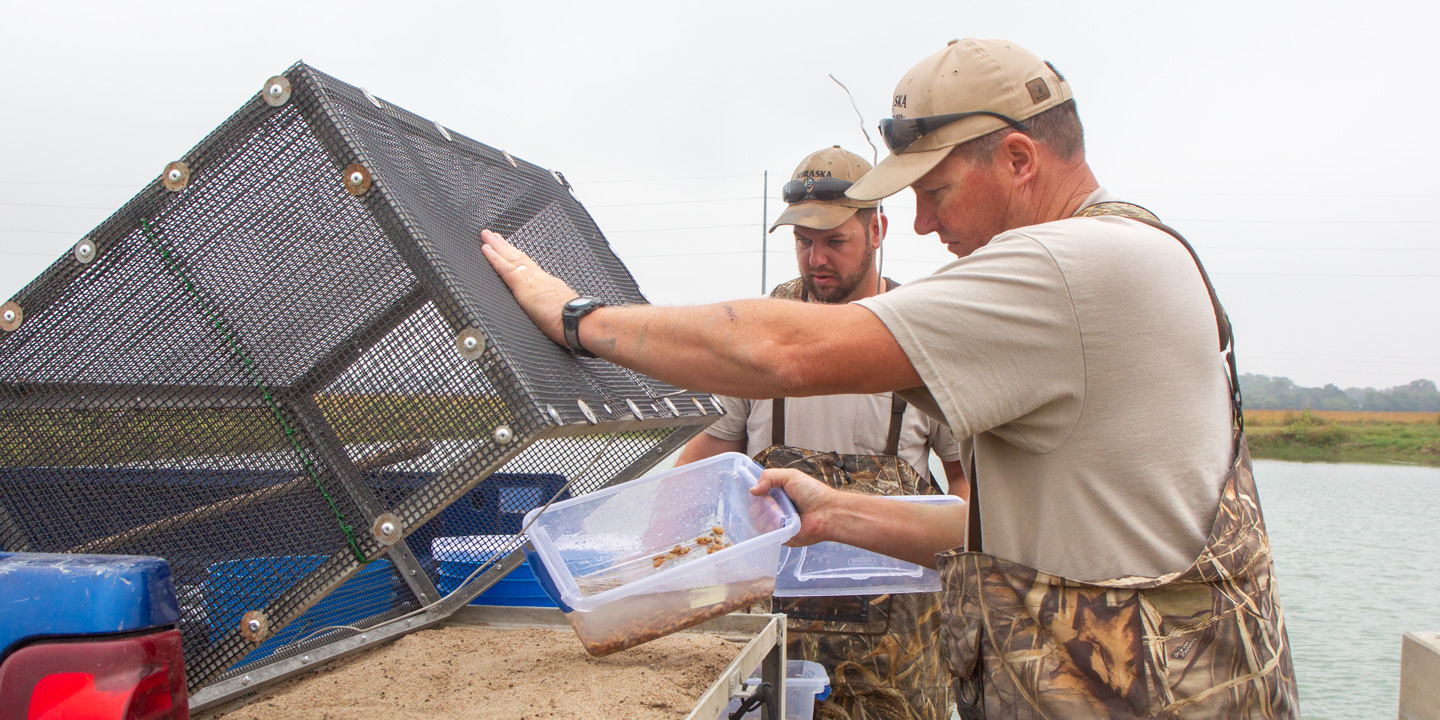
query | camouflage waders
(883,652)
(1206,642)
(794,289)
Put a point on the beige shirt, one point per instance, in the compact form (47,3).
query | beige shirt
(847,424)
(1082,355)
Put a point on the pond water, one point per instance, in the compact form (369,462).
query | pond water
(1357,558)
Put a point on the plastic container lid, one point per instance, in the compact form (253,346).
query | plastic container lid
(830,568)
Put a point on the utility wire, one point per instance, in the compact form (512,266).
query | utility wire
(56,254)
(46,232)
(62,207)
(678,229)
(65,184)
(662,179)
(1328,275)
(677,202)
(1346,358)
(1307,222)
(1176,193)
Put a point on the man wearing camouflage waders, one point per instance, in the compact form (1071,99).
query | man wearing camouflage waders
(880,651)
(1126,571)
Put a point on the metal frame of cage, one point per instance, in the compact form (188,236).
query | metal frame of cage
(286,358)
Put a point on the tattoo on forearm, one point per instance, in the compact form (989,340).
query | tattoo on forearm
(730,313)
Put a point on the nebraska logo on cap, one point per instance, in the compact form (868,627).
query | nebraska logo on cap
(1039,91)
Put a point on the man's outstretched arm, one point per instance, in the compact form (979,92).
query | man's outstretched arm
(745,348)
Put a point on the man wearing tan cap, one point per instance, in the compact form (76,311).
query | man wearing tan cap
(879,651)
(1125,570)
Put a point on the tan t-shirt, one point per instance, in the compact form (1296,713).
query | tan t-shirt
(847,424)
(1082,355)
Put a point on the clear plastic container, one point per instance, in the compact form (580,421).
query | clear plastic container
(649,557)
(832,568)
(805,683)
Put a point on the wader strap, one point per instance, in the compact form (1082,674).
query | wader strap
(897,418)
(892,440)
(972,522)
(777,421)
(1222,322)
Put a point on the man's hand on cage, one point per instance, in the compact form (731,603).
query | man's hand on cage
(541,295)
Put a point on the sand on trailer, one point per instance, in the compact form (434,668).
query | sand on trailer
(467,672)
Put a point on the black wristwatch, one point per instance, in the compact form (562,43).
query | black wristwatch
(570,319)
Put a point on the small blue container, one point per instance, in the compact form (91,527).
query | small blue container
(457,557)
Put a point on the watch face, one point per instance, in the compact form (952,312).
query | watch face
(577,303)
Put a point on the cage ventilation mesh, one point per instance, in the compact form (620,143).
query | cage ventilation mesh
(286,368)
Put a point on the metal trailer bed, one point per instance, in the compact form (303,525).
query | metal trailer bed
(764,651)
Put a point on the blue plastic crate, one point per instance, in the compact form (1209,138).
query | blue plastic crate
(238,586)
(457,557)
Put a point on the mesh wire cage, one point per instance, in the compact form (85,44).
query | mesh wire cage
(286,368)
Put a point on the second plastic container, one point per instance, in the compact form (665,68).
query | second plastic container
(836,569)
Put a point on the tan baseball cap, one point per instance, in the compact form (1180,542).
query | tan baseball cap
(832,162)
(968,75)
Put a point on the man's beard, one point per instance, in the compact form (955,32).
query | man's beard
(844,286)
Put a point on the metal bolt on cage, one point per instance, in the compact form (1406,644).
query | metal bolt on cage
(387,529)
(470,343)
(11,316)
(277,91)
(176,176)
(503,434)
(357,179)
(255,626)
(587,412)
(84,251)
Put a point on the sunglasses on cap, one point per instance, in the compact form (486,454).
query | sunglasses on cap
(901,133)
(824,189)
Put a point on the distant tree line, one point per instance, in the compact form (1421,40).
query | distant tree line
(1279,393)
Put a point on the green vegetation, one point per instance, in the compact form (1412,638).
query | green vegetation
(1280,393)
(114,436)
(1354,437)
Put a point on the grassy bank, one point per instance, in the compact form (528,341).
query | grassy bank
(1335,436)
(115,436)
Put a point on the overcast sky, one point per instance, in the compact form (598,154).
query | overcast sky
(1278,137)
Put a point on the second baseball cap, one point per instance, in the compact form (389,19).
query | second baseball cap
(997,80)
(818,188)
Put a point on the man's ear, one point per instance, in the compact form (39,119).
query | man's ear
(1020,156)
(878,225)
